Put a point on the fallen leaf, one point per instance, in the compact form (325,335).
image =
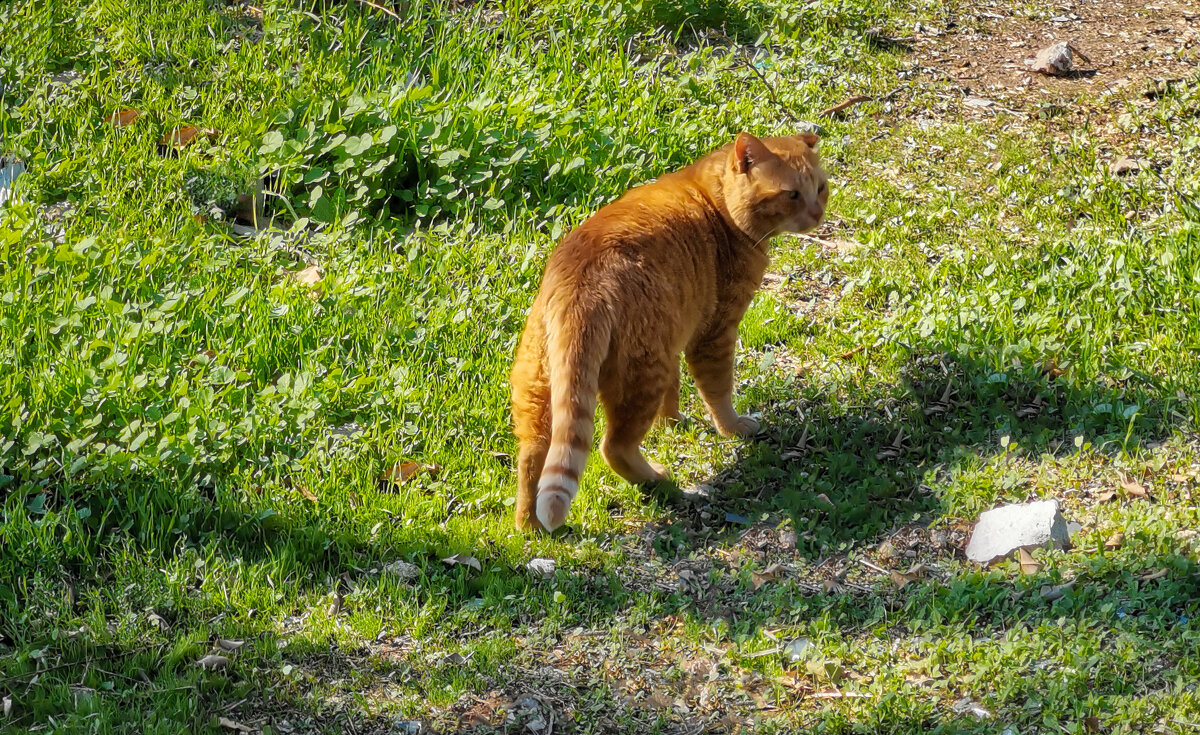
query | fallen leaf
(828,670)
(1029,565)
(838,694)
(1106,496)
(307,276)
(699,493)
(8,705)
(1135,489)
(308,494)
(402,472)
(1050,594)
(793,680)
(159,621)
(914,573)
(1114,541)
(121,118)
(184,136)
(1051,369)
(823,498)
(335,606)
(1153,576)
(771,572)
(213,662)
(229,724)
(228,645)
(1091,724)
(1030,410)
(658,701)
(466,561)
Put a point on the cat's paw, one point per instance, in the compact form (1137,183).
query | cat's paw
(660,470)
(676,420)
(744,426)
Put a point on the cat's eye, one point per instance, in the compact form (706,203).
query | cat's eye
(793,194)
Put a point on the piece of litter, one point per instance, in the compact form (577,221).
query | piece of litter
(797,649)
(968,706)
(9,171)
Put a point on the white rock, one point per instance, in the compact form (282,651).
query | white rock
(541,567)
(1002,530)
(1058,60)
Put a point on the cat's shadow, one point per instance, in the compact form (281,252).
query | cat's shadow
(840,465)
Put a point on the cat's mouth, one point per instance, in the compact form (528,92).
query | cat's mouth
(805,221)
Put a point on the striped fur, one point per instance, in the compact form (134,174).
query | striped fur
(668,269)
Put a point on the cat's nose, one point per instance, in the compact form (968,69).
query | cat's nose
(816,211)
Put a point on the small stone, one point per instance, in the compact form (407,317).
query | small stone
(698,493)
(1057,60)
(1002,530)
(1127,165)
(806,126)
(404,570)
(543,568)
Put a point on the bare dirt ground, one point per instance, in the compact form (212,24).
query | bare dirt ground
(1130,46)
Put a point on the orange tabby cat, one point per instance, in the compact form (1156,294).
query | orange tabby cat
(669,267)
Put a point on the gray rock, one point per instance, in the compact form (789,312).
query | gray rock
(404,570)
(1003,530)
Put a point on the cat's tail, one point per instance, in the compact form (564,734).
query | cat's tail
(576,345)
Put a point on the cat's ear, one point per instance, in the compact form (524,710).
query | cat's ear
(747,151)
(810,139)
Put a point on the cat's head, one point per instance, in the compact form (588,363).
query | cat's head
(775,185)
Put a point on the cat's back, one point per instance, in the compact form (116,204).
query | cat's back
(652,223)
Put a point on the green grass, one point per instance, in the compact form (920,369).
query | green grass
(173,399)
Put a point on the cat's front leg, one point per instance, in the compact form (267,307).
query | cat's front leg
(711,364)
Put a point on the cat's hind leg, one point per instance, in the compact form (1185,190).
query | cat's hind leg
(630,414)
